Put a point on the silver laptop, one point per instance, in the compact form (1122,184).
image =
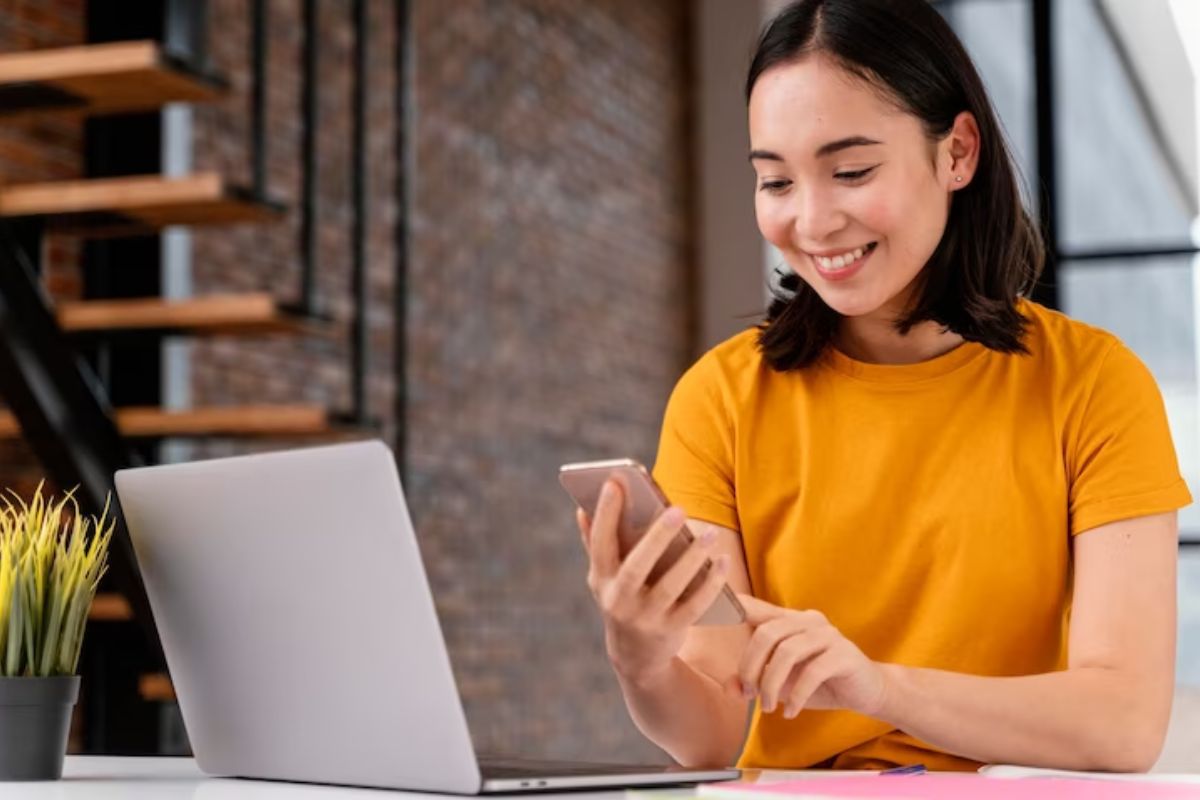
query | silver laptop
(300,631)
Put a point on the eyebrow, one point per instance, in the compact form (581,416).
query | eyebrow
(827,149)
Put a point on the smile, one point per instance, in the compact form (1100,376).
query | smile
(843,266)
(843,260)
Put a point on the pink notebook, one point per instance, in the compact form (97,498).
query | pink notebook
(952,786)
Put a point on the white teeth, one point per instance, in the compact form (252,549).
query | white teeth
(842,261)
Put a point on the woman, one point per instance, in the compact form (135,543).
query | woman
(949,511)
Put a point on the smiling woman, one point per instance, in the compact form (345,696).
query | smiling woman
(958,258)
(950,511)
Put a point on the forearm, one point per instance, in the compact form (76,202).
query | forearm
(1086,718)
(687,714)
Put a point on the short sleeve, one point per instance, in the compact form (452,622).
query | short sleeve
(1124,463)
(694,465)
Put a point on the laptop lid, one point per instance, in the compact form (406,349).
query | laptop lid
(297,621)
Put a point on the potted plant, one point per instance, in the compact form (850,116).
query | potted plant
(51,561)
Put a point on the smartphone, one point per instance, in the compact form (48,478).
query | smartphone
(643,502)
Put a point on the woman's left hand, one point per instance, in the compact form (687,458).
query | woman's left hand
(797,660)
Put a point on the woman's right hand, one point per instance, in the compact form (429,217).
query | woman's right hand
(645,623)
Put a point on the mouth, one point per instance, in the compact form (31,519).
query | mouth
(843,266)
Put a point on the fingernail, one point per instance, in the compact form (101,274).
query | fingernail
(722,564)
(708,536)
(673,516)
(606,490)
(747,691)
(789,713)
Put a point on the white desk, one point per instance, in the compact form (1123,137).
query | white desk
(114,778)
(111,778)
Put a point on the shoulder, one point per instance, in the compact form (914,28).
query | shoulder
(1052,334)
(1074,350)
(1091,374)
(730,368)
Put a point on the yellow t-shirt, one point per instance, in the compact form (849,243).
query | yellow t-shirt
(926,509)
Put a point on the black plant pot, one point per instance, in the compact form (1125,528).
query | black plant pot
(35,717)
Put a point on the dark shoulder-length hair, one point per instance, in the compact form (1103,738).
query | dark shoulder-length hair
(990,253)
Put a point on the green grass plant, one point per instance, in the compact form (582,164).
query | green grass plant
(51,562)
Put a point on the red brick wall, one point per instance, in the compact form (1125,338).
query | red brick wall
(549,318)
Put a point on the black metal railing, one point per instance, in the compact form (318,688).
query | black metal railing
(258,98)
(401,70)
(360,341)
(61,406)
(308,148)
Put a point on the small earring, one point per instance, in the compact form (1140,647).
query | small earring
(958,179)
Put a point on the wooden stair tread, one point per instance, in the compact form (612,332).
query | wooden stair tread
(110,607)
(100,78)
(224,421)
(250,313)
(156,687)
(135,203)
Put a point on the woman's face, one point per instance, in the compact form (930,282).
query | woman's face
(849,187)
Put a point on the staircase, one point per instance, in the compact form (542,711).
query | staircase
(56,399)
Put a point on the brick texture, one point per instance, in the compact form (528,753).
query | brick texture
(549,316)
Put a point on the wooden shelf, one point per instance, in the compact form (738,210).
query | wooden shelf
(257,421)
(135,204)
(99,79)
(253,313)
(109,607)
(156,687)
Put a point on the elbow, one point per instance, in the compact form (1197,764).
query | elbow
(1137,758)
(1131,735)
(722,758)
(1131,748)
(717,755)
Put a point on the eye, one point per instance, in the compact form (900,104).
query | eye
(774,186)
(855,176)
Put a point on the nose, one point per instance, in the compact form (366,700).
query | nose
(816,214)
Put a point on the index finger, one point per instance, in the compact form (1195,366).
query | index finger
(603,546)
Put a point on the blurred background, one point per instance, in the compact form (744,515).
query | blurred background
(492,233)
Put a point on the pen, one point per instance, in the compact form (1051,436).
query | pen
(911,769)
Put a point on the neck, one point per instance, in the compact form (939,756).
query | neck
(875,340)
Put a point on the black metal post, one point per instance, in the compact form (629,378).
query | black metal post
(308,130)
(1128,254)
(1046,292)
(258,98)
(359,334)
(400,336)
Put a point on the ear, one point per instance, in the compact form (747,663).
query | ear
(959,156)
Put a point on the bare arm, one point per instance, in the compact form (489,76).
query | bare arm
(678,679)
(693,708)
(1109,709)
